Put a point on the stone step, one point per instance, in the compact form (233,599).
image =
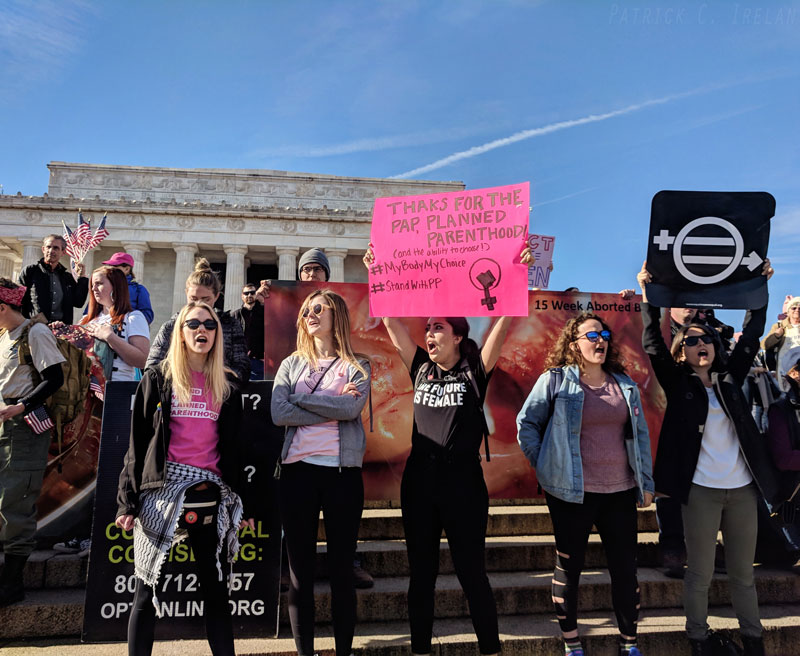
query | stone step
(528,592)
(387,523)
(661,633)
(383,558)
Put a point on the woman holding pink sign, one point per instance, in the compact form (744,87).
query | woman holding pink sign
(443,485)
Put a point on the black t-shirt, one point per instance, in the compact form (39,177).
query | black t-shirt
(447,412)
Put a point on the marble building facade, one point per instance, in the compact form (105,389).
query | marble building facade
(246,222)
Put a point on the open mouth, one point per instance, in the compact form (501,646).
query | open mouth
(702,353)
(600,350)
(432,348)
(201,339)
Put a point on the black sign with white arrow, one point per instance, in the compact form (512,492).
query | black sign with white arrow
(706,249)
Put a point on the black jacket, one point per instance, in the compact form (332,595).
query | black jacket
(252,323)
(687,409)
(36,277)
(145,462)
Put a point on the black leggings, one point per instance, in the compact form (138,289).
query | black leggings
(304,489)
(216,610)
(614,515)
(446,494)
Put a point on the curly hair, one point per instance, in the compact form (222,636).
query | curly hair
(562,354)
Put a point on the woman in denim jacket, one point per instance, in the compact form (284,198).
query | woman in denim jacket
(589,444)
(318,394)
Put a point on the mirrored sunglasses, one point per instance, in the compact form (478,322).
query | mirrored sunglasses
(693,340)
(317,309)
(594,335)
(194,324)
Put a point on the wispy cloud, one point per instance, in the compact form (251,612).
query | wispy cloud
(372,143)
(36,39)
(555,127)
(560,198)
(786,225)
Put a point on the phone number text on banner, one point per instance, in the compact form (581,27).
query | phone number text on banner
(450,254)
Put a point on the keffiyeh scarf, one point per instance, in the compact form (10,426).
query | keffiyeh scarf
(156,528)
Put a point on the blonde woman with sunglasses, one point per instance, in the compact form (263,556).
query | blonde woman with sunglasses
(318,394)
(583,429)
(183,475)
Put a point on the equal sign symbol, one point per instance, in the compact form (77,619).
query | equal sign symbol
(729,262)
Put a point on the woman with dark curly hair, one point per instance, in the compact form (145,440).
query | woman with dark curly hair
(583,429)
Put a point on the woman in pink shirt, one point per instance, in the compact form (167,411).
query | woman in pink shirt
(318,394)
(183,469)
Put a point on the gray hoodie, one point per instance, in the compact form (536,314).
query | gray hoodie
(292,409)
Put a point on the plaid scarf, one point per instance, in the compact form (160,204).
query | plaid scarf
(156,528)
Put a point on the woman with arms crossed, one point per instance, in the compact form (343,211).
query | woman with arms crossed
(443,485)
(318,394)
(182,466)
(583,429)
(712,458)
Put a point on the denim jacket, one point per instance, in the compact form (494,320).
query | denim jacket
(553,448)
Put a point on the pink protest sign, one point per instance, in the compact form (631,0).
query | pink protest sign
(542,249)
(452,254)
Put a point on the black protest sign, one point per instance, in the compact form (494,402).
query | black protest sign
(255,579)
(707,248)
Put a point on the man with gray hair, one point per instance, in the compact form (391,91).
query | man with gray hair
(52,290)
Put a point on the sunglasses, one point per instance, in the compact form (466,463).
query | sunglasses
(317,309)
(593,335)
(249,292)
(194,324)
(694,339)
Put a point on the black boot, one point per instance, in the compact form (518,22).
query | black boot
(753,646)
(11,587)
(701,647)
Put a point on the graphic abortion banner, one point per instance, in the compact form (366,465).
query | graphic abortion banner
(450,254)
(542,248)
(706,248)
(508,475)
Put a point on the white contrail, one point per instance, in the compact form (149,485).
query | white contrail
(537,132)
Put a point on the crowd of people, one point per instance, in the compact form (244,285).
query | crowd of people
(728,449)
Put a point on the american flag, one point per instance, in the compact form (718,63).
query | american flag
(83,234)
(69,237)
(100,234)
(94,386)
(39,420)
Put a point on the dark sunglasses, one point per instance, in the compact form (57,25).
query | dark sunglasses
(593,335)
(692,340)
(194,324)
(317,309)
(249,292)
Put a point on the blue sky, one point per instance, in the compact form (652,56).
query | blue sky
(598,104)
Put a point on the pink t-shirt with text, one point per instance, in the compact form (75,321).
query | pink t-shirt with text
(318,439)
(193,427)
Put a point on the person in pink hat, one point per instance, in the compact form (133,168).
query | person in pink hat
(140,297)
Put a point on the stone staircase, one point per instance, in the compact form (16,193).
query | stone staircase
(519,557)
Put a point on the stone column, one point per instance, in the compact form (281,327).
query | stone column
(137,249)
(184,265)
(234,275)
(31,251)
(7,267)
(336,260)
(287,262)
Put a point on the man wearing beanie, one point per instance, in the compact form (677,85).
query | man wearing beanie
(783,341)
(314,266)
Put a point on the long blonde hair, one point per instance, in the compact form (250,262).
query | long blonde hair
(341,331)
(175,366)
